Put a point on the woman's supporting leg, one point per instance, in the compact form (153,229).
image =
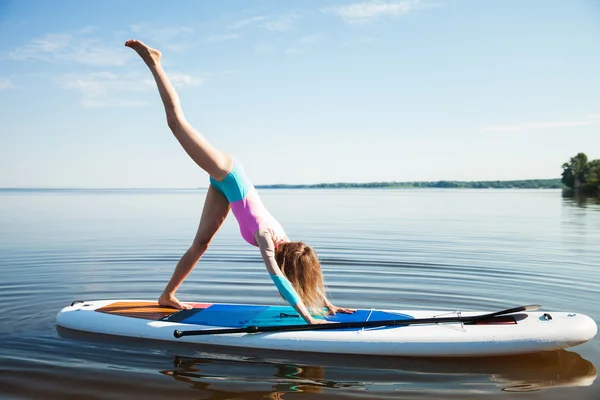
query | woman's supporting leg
(216,208)
(217,163)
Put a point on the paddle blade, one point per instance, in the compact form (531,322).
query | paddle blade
(531,307)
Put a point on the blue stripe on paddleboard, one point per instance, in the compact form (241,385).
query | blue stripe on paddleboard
(277,316)
(282,315)
(239,316)
(227,315)
(366,315)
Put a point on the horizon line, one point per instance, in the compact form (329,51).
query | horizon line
(264,186)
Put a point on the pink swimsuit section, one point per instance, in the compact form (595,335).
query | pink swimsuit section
(252,214)
(246,205)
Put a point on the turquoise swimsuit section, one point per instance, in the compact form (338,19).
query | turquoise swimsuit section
(286,289)
(236,185)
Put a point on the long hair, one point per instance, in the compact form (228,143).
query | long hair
(300,265)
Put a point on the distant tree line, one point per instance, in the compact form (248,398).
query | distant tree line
(520,184)
(581,175)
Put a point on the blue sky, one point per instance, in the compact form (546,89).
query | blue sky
(300,91)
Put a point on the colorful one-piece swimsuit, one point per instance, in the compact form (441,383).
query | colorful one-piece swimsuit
(246,205)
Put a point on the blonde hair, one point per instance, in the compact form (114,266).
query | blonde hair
(300,265)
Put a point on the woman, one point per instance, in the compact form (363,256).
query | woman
(293,266)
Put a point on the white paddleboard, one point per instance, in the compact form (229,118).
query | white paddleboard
(517,333)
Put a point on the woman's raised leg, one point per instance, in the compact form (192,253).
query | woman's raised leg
(216,208)
(215,162)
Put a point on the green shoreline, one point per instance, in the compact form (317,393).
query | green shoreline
(517,184)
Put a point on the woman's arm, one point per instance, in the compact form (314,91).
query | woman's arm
(265,242)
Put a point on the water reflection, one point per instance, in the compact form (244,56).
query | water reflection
(276,377)
(581,200)
(224,378)
(258,374)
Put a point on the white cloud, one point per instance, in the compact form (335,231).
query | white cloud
(6,83)
(176,47)
(164,32)
(362,41)
(371,10)
(308,39)
(245,22)
(87,30)
(263,48)
(220,38)
(104,89)
(113,102)
(419,142)
(94,53)
(173,38)
(181,80)
(272,23)
(294,50)
(41,48)
(530,126)
(281,23)
(99,84)
(67,48)
(161,33)
(303,44)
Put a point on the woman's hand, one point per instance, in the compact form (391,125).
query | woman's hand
(334,309)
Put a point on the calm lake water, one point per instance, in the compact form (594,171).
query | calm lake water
(415,249)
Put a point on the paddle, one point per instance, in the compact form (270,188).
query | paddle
(361,324)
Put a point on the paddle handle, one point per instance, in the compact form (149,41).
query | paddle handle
(247,329)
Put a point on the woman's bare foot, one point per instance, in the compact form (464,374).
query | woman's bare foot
(166,300)
(149,55)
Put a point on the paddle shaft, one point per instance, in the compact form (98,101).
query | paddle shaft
(359,324)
